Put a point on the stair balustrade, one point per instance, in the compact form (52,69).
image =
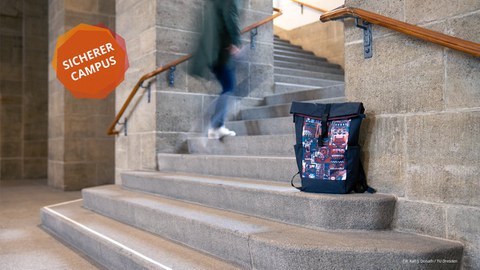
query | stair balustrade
(171,68)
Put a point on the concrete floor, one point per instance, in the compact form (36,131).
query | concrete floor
(24,245)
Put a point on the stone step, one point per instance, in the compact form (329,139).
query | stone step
(278,145)
(279,110)
(303,54)
(319,82)
(307,67)
(285,44)
(308,74)
(337,91)
(286,47)
(281,87)
(256,243)
(311,61)
(298,54)
(270,200)
(115,245)
(273,126)
(272,168)
(282,41)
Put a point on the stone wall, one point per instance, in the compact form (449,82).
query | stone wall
(323,39)
(168,31)
(422,130)
(80,154)
(23,90)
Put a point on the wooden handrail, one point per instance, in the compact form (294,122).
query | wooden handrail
(264,21)
(405,28)
(310,6)
(111,130)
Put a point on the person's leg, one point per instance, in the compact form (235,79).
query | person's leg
(225,74)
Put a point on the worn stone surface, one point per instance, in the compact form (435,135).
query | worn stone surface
(426,11)
(442,156)
(462,84)
(435,91)
(462,225)
(177,112)
(35,168)
(11,149)
(382,140)
(261,80)
(464,27)
(35,149)
(191,11)
(56,149)
(74,18)
(145,9)
(56,174)
(420,217)
(11,169)
(418,12)
(23,87)
(262,54)
(175,41)
(168,142)
(200,85)
(82,6)
(78,175)
(411,77)
(271,200)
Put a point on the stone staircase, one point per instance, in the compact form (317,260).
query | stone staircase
(296,69)
(228,204)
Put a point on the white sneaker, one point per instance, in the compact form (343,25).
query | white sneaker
(218,133)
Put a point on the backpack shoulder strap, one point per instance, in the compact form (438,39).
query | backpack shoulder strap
(362,185)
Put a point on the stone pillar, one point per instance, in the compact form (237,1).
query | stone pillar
(23,90)
(35,89)
(423,118)
(11,94)
(80,154)
(137,149)
(168,31)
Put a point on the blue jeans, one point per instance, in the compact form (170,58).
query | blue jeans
(225,74)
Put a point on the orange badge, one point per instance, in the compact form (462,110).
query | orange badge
(90,61)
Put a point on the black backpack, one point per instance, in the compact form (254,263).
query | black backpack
(326,149)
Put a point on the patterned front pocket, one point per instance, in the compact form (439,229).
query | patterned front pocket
(324,159)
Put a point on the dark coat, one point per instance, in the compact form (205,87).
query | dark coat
(221,28)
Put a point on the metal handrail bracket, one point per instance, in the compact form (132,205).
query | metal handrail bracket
(367,37)
(253,35)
